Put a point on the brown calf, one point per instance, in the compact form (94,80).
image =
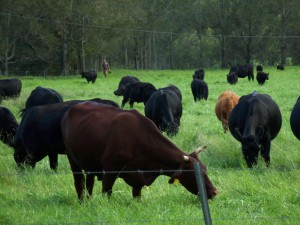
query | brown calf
(226,102)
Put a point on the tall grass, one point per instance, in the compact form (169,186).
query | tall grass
(258,196)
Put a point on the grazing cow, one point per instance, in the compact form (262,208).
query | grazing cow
(164,108)
(199,74)
(243,71)
(138,156)
(123,83)
(39,133)
(261,77)
(295,119)
(42,96)
(90,75)
(137,92)
(280,67)
(232,78)
(8,125)
(255,121)
(259,68)
(173,88)
(10,88)
(199,89)
(226,102)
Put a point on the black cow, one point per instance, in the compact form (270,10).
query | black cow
(259,68)
(8,125)
(10,88)
(243,71)
(199,89)
(280,67)
(173,88)
(123,83)
(261,77)
(42,96)
(164,108)
(232,78)
(295,119)
(199,74)
(39,134)
(255,121)
(137,92)
(90,75)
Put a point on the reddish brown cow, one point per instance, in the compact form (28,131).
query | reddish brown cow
(121,144)
(226,102)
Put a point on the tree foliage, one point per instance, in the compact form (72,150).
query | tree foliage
(66,37)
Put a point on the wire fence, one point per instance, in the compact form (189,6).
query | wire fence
(175,220)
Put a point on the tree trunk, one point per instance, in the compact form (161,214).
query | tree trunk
(283,34)
(65,52)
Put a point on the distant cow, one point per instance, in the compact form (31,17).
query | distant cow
(42,96)
(280,67)
(123,83)
(39,133)
(232,78)
(90,76)
(226,102)
(137,92)
(199,74)
(175,89)
(10,88)
(295,119)
(243,71)
(261,77)
(259,68)
(124,144)
(164,108)
(199,89)
(255,121)
(8,125)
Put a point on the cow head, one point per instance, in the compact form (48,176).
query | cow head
(187,178)
(251,146)
(21,155)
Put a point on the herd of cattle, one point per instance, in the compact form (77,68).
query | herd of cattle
(94,135)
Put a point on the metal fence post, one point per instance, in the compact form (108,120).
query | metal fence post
(202,194)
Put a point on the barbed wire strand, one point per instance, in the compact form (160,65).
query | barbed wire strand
(143,30)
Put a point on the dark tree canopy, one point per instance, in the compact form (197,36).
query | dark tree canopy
(66,37)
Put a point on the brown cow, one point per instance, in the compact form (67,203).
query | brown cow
(112,143)
(226,102)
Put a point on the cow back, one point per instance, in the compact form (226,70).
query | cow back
(256,110)
(164,108)
(10,88)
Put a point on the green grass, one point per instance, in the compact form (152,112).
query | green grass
(258,196)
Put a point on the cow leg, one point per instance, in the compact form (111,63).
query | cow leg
(90,180)
(136,192)
(78,179)
(53,160)
(131,102)
(108,181)
(125,99)
(265,152)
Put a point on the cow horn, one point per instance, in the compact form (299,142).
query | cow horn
(186,158)
(200,149)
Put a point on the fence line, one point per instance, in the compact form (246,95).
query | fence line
(160,171)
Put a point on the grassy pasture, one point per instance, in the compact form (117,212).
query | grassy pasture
(258,196)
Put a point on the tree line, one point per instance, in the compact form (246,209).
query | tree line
(67,37)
